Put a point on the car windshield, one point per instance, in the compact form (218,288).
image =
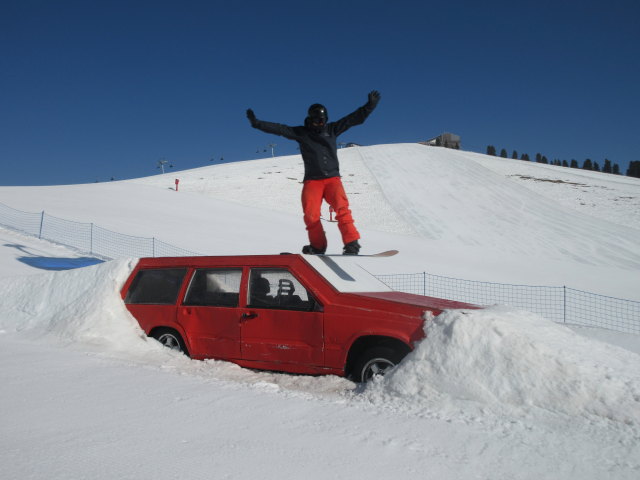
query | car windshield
(345,273)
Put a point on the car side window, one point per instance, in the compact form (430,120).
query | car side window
(214,288)
(156,286)
(278,289)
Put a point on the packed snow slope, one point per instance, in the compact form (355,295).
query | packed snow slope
(450,213)
(493,393)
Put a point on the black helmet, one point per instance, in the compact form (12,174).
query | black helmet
(318,113)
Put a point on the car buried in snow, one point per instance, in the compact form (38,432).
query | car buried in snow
(290,313)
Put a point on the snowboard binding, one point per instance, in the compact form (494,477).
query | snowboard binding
(311,250)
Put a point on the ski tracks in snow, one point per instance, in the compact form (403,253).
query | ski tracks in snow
(443,194)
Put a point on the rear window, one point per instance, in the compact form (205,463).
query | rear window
(158,286)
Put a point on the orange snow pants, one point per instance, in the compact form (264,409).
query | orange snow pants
(331,190)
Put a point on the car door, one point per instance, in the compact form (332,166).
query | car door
(210,314)
(282,322)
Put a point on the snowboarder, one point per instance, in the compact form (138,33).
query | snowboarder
(317,140)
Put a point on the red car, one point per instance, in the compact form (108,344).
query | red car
(291,313)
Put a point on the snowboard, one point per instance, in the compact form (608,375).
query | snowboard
(386,253)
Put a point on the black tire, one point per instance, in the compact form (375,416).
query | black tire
(376,361)
(170,339)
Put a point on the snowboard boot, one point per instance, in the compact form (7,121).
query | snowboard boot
(351,248)
(311,250)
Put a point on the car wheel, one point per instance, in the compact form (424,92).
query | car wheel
(170,339)
(376,361)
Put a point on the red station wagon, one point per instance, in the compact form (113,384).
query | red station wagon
(291,313)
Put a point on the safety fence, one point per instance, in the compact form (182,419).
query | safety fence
(560,304)
(86,237)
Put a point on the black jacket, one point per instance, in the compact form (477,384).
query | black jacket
(318,145)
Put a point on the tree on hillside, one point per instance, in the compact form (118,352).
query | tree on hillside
(544,160)
(503,153)
(607,166)
(616,169)
(634,169)
(574,163)
(491,150)
(587,165)
(538,157)
(564,163)
(525,157)
(596,166)
(514,155)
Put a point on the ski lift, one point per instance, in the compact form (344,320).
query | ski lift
(162,163)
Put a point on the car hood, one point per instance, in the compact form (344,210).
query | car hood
(416,300)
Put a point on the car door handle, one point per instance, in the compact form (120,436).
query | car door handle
(249,316)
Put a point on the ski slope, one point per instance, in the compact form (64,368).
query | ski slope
(497,393)
(450,213)
(430,187)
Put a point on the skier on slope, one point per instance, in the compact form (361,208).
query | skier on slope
(317,140)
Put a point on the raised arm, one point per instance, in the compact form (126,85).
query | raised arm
(269,127)
(359,116)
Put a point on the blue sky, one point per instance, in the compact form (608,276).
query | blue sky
(94,90)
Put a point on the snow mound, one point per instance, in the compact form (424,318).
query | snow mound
(80,305)
(500,359)
(494,359)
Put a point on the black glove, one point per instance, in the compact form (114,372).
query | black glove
(252,117)
(374,98)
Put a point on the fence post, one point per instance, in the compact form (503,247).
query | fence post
(424,283)
(91,240)
(41,222)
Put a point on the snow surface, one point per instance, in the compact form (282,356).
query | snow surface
(447,211)
(489,394)
(345,274)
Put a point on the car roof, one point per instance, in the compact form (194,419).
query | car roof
(343,272)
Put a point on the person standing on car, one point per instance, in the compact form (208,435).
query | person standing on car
(318,145)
